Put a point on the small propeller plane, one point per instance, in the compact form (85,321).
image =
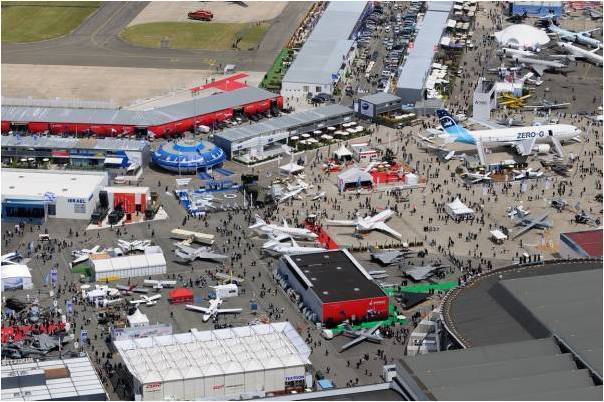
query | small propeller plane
(146,300)
(213,310)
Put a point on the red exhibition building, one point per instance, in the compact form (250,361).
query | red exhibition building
(162,121)
(334,287)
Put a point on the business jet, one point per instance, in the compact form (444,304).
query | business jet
(527,174)
(213,310)
(369,223)
(275,247)
(146,300)
(477,177)
(281,232)
(189,253)
(155,284)
(524,140)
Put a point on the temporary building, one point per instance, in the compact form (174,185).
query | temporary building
(219,364)
(138,319)
(342,153)
(16,276)
(180,295)
(458,209)
(523,36)
(291,168)
(152,262)
(498,236)
(354,178)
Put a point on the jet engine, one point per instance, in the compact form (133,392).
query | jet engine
(542,148)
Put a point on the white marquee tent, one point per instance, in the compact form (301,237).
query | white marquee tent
(458,209)
(138,319)
(522,35)
(152,262)
(16,276)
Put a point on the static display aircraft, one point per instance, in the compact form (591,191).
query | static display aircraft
(291,247)
(525,140)
(527,174)
(281,232)
(387,257)
(528,223)
(155,284)
(583,37)
(369,223)
(146,300)
(477,177)
(213,310)
(10,258)
(84,254)
(189,253)
(130,246)
(368,334)
(575,52)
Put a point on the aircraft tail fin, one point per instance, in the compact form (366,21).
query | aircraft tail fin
(454,131)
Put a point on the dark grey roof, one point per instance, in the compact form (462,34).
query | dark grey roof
(328,44)
(569,305)
(380,97)
(419,59)
(153,117)
(54,142)
(285,122)
(534,369)
(483,314)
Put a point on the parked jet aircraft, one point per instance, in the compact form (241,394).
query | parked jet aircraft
(529,223)
(147,300)
(131,289)
(369,223)
(527,174)
(213,310)
(281,232)
(189,253)
(575,52)
(155,284)
(583,37)
(83,254)
(506,51)
(291,247)
(477,177)
(368,334)
(522,139)
(10,258)
(540,65)
(130,246)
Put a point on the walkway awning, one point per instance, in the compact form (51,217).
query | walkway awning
(112,160)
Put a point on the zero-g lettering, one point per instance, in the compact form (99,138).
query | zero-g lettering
(529,134)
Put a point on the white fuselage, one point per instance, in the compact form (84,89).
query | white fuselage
(562,132)
(582,53)
(212,309)
(297,233)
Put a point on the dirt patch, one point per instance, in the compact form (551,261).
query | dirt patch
(122,86)
(165,11)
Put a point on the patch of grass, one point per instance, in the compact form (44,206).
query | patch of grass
(188,35)
(34,21)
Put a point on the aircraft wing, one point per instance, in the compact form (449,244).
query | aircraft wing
(151,298)
(381,226)
(525,229)
(185,249)
(229,310)
(139,301)
(525,147)
(210,255)
(277,236)
(339,223)
(539,69)
(355,341)
(486,123)
(198,309)
(183,255)
(80,259)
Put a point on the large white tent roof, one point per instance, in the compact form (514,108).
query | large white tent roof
(522,35)
(15,271)
(459,208)
(211,353)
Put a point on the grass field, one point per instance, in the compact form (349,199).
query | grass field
(32,21)
(187,35)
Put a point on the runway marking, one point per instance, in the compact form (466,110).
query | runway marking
(93,34)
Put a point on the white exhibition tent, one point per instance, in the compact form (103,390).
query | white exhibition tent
(16,276)
(458,209)
(291,168)
(152,262)
(343,153)
(138,319)
(522,35)
(354,177)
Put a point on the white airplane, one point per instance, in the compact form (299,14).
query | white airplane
(125,289)
(539,65)
(281,232)
(213,310)
(10,257)
(477,177)
(367,224)
(583,37)
(525,140)
(575,52)
(289,194)
(189,253)
(317,196)
(155,284)
(130,246)
(518,211)
(506,51)
(527,174)
(147,300)
(83,254)
(275,247)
